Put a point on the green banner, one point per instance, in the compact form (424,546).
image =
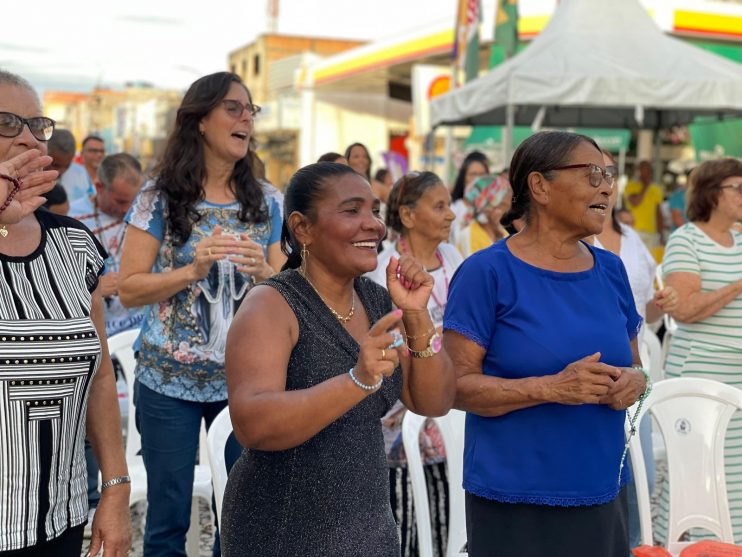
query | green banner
(612,140)
(713,139)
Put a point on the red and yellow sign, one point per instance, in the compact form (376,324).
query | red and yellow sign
(439,85)
(714,25)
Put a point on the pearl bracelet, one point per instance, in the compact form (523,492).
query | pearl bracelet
(363,385)
(115,481)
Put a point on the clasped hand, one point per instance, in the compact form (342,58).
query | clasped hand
(246,254)
(589,381)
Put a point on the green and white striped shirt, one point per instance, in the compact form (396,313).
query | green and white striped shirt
(690,250)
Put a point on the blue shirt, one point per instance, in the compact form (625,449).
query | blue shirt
(677,201)
(183,339)
(533,322)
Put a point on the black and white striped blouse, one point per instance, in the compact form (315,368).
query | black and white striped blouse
(49,353)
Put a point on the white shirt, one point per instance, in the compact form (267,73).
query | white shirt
(77,183)
(640,267)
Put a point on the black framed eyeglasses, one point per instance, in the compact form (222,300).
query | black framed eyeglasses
(11,125)
(597,174)
(235,108)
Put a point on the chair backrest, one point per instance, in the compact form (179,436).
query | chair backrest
(121,345)
(670,324)
(651,355)
(692,415)
(216,441)
(451,427)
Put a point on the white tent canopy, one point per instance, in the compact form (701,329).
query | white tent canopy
(598,63)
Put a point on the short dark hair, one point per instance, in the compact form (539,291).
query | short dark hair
(542,152)
(304,190)
(704,191)
(381,174)
(62,142)
(113,165)
(459,187)
(330,157)
(92,138)
(55,196)
(406,192)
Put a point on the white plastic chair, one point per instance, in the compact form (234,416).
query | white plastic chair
(651,354)
(216,441)
(693,415)
(121,346)
(451,427)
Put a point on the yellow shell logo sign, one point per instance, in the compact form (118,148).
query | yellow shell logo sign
(439,85)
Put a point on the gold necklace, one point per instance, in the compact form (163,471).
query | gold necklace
(3,231)
(341,318)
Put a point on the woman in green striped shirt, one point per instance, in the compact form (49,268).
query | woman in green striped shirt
(703,262)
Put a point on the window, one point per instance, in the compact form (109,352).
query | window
(256,64)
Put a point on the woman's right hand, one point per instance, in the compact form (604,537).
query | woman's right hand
(26,167)
(376,359)
(585,381)
(211,249)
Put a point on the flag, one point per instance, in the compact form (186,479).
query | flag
(466,38)
(506,32)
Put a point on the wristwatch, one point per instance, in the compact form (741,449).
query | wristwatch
(434,346)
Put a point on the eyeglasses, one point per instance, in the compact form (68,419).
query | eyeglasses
(597,174)
(11,125)
(735,187)
(235,108)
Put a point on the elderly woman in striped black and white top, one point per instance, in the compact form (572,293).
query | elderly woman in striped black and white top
(54,366)
(703,262)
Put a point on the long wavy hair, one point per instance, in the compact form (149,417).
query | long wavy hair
(182,169)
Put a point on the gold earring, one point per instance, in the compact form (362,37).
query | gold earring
(304,254)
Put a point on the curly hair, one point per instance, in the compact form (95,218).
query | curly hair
(182,170)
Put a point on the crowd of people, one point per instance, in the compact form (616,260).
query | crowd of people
(321,314)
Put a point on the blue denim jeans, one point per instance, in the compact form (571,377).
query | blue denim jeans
(645,436)
(170,430)
(93,470)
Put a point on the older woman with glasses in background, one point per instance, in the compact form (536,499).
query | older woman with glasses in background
(703,262)
(56,377)
(200,236)
(541,329)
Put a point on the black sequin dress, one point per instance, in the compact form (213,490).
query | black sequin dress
(330,495)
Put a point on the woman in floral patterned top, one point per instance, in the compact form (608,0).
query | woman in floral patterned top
(200,235)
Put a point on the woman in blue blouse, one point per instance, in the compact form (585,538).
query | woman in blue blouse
(200,235)
(541,328)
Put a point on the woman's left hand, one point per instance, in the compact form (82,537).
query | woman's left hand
(626,390)
(250,259)
(111,529)
(667,299)
(408,283)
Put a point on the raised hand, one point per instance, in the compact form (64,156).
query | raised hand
(408,283)
(28,168)
(377,359)
(250,258)
(211,249)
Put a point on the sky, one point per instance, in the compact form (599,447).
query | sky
(74,45)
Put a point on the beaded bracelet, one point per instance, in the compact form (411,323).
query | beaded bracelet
(16,188)
(363,385)
(632,419)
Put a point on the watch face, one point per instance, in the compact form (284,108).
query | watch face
(436,343)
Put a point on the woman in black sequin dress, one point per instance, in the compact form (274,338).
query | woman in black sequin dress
(311,372)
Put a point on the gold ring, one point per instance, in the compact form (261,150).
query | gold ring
(252,261)
(383,354)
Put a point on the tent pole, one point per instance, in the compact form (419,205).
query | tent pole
(507,136)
